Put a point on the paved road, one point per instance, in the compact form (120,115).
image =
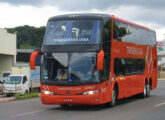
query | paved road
(152,108)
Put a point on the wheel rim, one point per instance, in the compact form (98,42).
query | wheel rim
(148,90)
(113,97)
(145,91)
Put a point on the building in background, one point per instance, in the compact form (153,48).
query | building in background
(161,52)
(23,56)
(7,50)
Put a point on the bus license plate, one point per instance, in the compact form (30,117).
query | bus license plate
(67,100)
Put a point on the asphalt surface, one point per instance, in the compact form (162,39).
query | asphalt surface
(152,108)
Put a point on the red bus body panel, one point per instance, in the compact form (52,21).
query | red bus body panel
(134,84)
(74,95)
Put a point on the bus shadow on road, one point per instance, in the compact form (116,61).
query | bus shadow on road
(80,108)
(122,102)
(132,99)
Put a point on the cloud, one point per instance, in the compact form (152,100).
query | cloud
(149,13)
(153,18)
(23,2)
(89,4)
(12,16)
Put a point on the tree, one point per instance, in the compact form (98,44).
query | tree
(28,37)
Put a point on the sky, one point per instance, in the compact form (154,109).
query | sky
(150,13)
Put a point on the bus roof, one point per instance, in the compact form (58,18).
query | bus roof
(95,16)
(128,22)
(79,16)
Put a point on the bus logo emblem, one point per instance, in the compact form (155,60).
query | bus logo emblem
(45,87)
(67,92)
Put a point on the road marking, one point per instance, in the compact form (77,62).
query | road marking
(158,105)
(23,101)
(28,113)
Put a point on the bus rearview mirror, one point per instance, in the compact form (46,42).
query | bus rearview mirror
(33,59)
(100,60)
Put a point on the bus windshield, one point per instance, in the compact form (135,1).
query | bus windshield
(73,32)
(70,68)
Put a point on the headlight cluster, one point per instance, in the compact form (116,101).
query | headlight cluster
(47,92)
(91,92)
(84,93)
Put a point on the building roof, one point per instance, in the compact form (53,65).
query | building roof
(25,50)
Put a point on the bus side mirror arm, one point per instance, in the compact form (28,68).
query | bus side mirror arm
(100,60)
(33,59)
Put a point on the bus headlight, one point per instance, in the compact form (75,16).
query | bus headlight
(91,92)
(46,92)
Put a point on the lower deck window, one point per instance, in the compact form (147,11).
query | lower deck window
(128,66)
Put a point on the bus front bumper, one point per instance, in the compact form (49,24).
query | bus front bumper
(73,99)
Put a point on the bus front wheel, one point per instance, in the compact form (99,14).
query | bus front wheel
(114,98)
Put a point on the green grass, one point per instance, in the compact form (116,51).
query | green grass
(26,95)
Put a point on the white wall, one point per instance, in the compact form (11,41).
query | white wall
(6,62)
(7,42)
(7,50)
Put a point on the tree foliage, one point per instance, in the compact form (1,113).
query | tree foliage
(28,37)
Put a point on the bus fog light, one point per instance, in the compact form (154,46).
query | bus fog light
(91,92)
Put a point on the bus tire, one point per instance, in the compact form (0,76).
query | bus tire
(146,91)
(114,98)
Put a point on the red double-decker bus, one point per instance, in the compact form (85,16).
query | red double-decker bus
(95,59)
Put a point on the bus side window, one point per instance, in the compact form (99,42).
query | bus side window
(119,67)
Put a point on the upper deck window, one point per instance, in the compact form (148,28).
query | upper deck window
(64,32)
(132,34)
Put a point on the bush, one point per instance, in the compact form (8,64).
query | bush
(26,95)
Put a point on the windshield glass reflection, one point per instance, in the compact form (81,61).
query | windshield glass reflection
(70,68)
(73,32)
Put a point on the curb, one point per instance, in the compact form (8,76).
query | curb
(2,100)
(161,79)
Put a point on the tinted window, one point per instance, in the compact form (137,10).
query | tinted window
(129,33)
(119,67)
(73,32)
(128,66)
(134,66)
